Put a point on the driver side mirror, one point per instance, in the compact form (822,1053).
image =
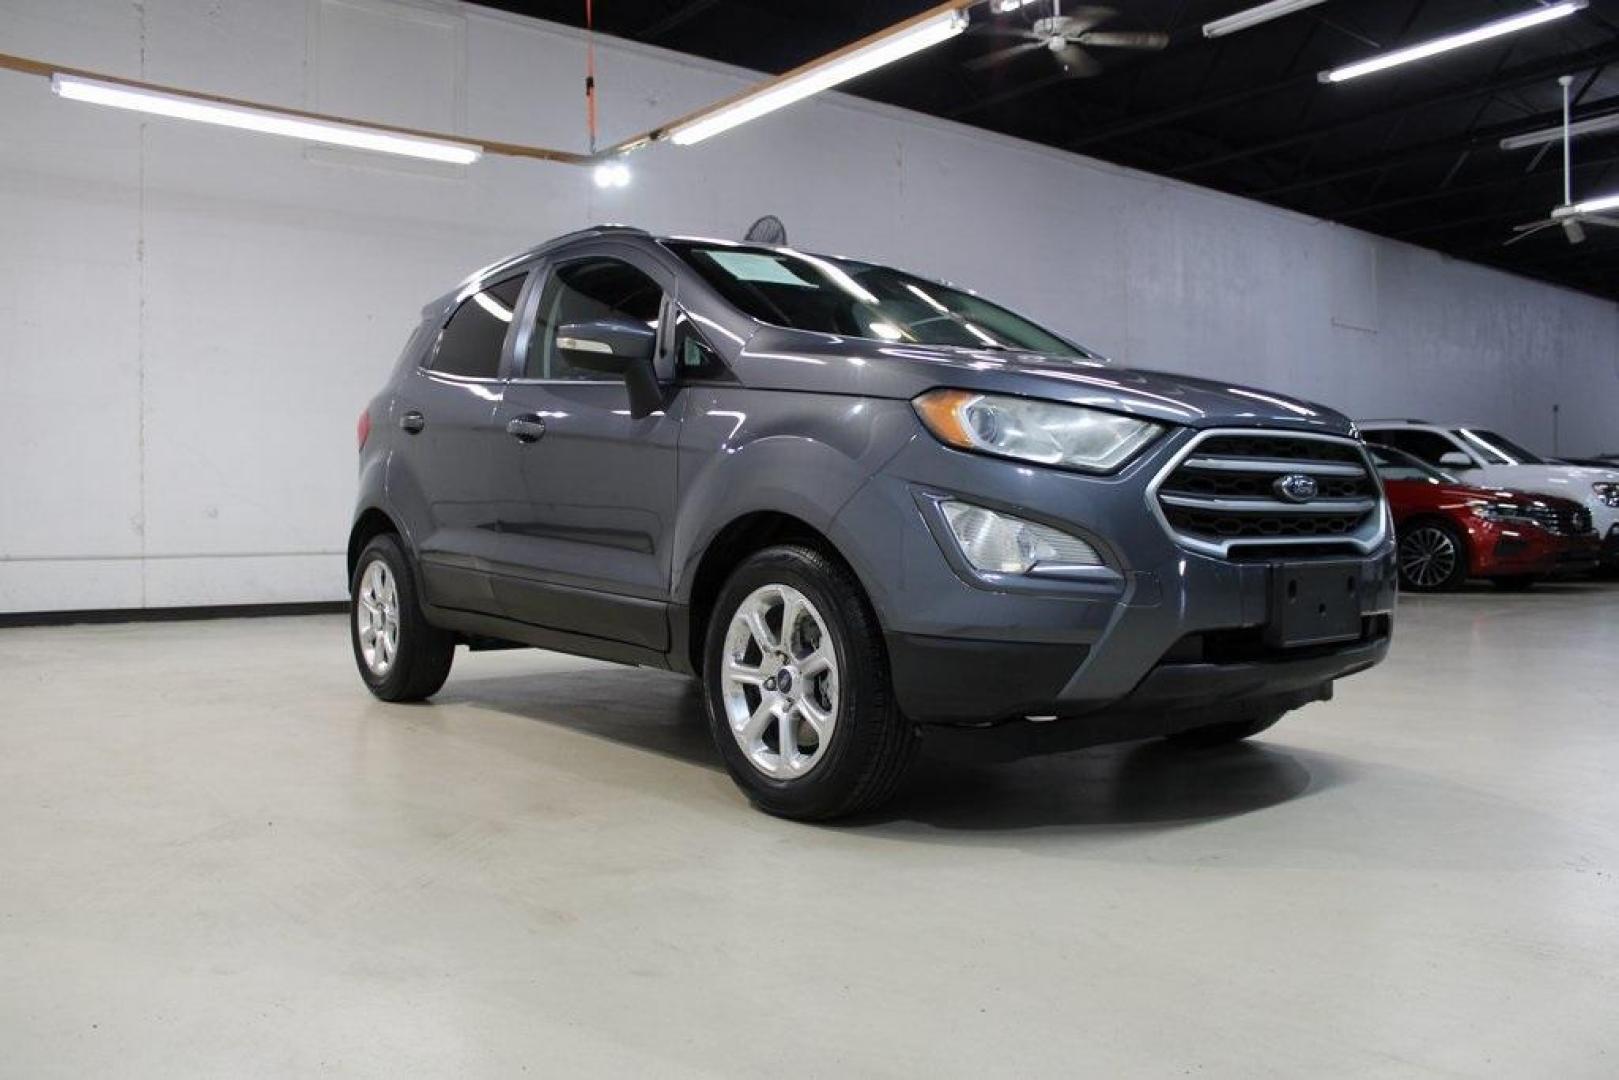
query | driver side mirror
(621,347)
(1455,459)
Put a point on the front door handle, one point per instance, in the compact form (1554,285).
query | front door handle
(526,428)
(413,421)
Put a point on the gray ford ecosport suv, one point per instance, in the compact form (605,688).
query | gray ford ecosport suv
(867,509)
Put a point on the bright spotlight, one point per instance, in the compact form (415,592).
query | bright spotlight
(613,174)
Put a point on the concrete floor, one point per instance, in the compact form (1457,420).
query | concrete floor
(220,857)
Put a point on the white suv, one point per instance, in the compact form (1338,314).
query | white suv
(1479,456)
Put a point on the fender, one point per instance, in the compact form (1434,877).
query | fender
(804,455)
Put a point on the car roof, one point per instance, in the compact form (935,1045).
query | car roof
(626,232)
(479,277)
(1419,425)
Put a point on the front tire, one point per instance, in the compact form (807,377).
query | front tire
(1433,558)
(401,656)
(797,682)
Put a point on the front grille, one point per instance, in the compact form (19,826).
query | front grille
(1216,525)
(1225,491)
(1560,517)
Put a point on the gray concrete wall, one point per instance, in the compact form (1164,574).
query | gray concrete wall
(192,317)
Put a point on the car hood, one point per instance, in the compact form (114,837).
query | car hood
(1569,481)
(826,363)
(1464,493)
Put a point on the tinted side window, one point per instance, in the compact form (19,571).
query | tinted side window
(1427,446)
(694,356)
(584,291)
(1495,448)
(470,342)
(1378,437)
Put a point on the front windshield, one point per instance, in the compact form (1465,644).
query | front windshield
(1398,465)
(841,296)
(1496,449)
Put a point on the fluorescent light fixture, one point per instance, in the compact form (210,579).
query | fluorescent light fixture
(1264,13)
(1001,7)
(1595,206)
(1581,127)
(612,174)
(266,121)
(879,50)
(1499,28)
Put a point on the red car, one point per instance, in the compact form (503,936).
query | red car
(1450,531)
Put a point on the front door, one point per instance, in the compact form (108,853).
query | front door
(586,493)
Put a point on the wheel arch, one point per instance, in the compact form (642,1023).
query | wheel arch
(370,524)
(735,541)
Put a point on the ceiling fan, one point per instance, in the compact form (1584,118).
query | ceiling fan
(1572,217)
(1067,38)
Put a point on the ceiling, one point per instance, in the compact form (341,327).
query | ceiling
(1412,153)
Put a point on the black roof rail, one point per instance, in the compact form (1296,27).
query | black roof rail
(1393,420)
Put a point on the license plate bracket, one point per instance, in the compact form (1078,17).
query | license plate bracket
(1313,603)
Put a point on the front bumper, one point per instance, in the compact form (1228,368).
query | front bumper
(1173,697)
(1200,677)
(1503,550)
(1171,638)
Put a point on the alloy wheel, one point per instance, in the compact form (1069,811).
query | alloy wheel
(1428,557)
(376,617)
(780,681)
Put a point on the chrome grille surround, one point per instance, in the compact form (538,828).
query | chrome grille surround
(1203,509)
(1560,517)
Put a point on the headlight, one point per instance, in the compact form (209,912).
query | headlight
(1500,511)
(1043,432)
(1608,493)
(1003,544)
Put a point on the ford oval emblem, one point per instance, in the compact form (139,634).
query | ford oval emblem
(1297,488)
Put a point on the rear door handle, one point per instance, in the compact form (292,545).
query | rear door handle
(526,428)
(413,421)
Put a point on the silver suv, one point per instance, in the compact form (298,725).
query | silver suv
(868,510)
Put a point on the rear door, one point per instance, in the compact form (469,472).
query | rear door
(441,478)
(586,493)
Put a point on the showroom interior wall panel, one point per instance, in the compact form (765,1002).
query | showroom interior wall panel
(359,54)
(70,425)
(194,317)
(956,196)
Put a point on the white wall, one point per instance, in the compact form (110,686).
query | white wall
(190,318)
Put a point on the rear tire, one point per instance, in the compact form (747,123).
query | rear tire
(799,697)
(401,656)
(1222,734)
(1433,557)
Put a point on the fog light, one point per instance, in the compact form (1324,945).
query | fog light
(1003,544)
